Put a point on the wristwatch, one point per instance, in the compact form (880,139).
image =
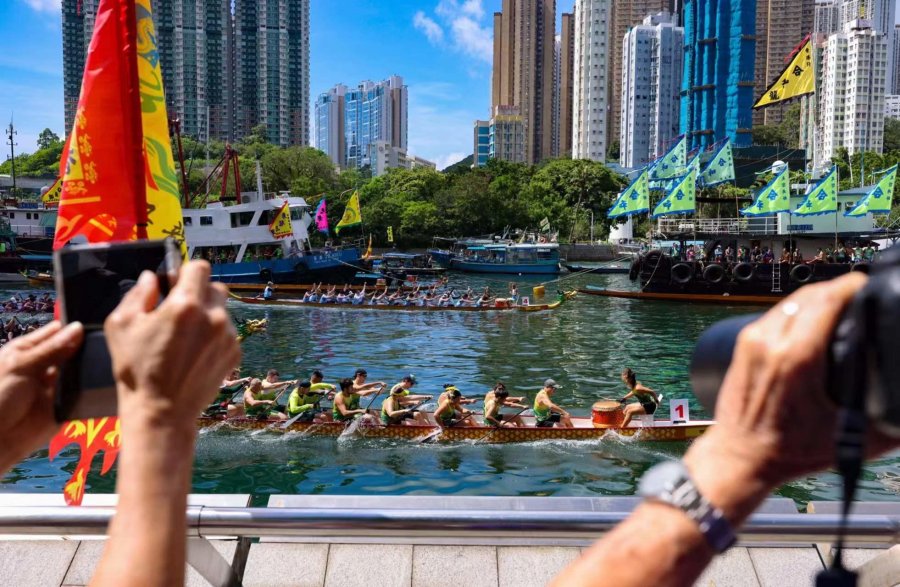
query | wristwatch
(670,483)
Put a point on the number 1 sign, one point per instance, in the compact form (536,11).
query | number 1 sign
(680,410)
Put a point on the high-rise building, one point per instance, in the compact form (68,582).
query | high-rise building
(524,51)
(895,49)
(624,15)
(224,73)
(77,29)
(271,69)
(827,18)
(566,92)
(192,36)
(892,106)
(851,104)
(780,27)
(881,14)
(482,143)
(507,135)
(330,134)
(651,87)
(717,94)
(384,156)
(374,112)
(590,123)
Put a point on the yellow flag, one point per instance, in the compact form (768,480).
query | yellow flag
(51,196)
(390,234)
(163,193)
(368,254)
(352,216)
(281,226)
(796,80)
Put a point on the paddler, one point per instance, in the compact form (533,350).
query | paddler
(304,402)
(346,401)
(261,405)
(392,411)
(501,386)
(317,384)
(406,399)
(272,383)
(492,416)
(360,385)
(547,413)
(648,400)
(450,412)
(230,386)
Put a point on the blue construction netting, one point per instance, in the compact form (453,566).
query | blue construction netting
(720,54)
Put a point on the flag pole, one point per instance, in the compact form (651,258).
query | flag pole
(132,121)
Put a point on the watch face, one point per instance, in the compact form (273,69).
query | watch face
(662,479)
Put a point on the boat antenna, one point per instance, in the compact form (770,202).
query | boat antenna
(11,141)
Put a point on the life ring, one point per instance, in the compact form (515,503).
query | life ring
(802,273)
(743,272)
(265,275)
(682,273)
(635,269)
(714,273)
(862,267)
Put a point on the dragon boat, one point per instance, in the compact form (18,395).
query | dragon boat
(606,419)
(499,305)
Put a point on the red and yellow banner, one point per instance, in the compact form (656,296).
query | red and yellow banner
(111,192)
(51,196)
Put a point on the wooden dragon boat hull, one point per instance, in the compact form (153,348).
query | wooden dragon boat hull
(387,308)
(660,431)
(682,297)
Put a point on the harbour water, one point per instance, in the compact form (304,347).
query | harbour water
(583,345)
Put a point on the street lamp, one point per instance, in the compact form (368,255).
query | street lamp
(592,227)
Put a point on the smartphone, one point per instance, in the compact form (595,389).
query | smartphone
(91,280)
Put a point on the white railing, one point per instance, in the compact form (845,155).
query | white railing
(766,225)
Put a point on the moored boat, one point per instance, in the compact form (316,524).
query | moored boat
(727,299)
(584,429)
(604,269)
(501,256)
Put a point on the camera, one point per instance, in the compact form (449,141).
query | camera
(91,280)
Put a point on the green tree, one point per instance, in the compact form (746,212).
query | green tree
(891,135)
(305,171)
(47,139)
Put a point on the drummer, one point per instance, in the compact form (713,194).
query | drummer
(648,400)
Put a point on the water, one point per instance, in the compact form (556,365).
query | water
(583,346)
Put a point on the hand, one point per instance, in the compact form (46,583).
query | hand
(29,367)
(774,421)
(167,359)
(622,400)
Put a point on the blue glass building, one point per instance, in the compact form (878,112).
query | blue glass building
(718,93)
(482,142)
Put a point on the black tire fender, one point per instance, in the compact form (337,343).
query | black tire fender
(682,273)
(743,272)
(714,273)
(802,273)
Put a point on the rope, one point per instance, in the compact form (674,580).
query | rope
(658,263)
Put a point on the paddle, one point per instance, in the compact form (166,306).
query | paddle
(494,429)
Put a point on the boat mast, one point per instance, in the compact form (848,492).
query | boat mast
(11,134)
(175,123)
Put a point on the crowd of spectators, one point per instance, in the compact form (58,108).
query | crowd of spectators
(842,253)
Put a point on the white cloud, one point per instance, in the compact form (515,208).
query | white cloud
(463,19)
(432,30)
(445,161)
(51,6)
(473,39)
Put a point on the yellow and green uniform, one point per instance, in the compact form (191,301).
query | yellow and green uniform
(263,409)
(299,403)
(540,412)
(321,387)
(492,410)
(400,386)
(448,415)
(351,402)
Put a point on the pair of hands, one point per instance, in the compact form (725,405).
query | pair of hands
(168,361)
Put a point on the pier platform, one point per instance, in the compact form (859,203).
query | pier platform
(413,541)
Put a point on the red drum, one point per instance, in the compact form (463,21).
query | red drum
(608,414)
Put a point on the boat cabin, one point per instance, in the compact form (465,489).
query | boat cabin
(239,233)
(405,261)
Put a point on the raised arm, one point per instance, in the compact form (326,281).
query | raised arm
(168,362)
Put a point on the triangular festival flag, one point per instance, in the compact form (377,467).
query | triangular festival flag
(822,199)
(681,199)
(878,200)
(772,199)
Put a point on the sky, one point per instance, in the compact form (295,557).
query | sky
(442,48)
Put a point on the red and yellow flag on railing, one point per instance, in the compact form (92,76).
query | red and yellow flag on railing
(118,175)
(50,198)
